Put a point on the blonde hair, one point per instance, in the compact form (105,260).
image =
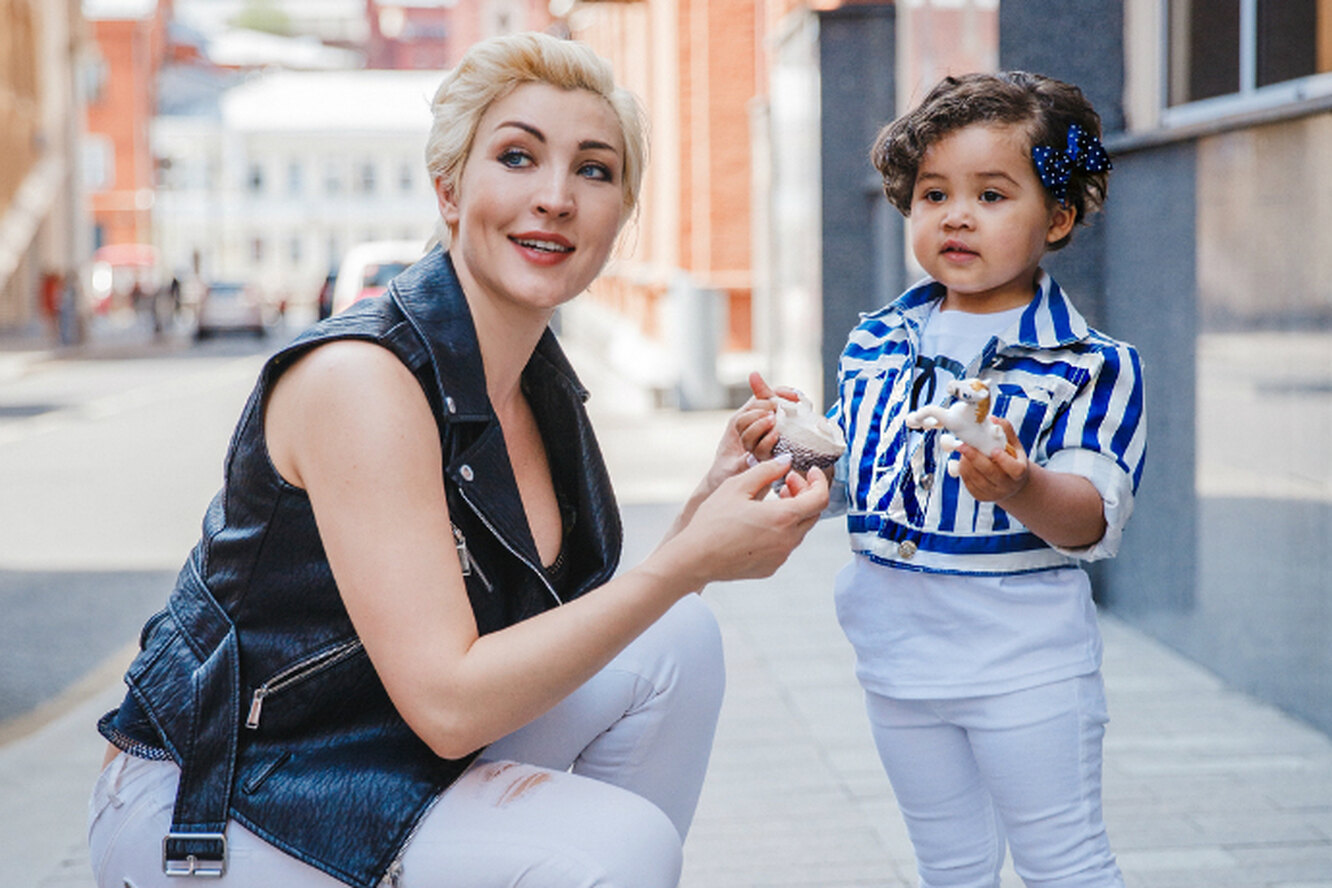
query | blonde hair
(492,69)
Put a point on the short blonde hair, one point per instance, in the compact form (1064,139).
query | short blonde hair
(491,69)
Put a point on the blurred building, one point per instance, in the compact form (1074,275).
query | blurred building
(435,33)
(274,180)
(762,113)
(682,289)
(130,38)
(42,220)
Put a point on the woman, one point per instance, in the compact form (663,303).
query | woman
(357,623)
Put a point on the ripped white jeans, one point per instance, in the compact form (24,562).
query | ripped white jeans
(600,791)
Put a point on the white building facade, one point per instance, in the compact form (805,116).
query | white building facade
(292,169)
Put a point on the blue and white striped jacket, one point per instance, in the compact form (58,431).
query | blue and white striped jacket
(1074,396)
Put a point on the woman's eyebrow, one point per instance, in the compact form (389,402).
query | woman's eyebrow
(585,145)
(595,145)
(525,127)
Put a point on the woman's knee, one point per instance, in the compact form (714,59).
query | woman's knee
(686,646)
(641,847)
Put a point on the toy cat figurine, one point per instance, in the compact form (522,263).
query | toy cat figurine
(966,420)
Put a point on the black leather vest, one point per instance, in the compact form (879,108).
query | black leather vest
(252,678)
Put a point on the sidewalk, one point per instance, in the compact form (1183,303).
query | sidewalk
(1204,787)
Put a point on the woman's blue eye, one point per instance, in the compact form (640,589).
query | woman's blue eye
(597,171)
(514,158)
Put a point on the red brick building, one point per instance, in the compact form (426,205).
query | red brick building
(130,37)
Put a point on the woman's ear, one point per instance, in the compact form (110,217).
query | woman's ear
(1062,219)
(448,203)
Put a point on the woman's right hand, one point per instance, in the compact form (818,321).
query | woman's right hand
(740,531)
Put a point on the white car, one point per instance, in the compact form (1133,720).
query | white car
(227,307)
(367,268)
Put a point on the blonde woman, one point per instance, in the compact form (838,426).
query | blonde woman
(400,653)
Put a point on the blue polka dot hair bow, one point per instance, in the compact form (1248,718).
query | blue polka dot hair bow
(1055,167)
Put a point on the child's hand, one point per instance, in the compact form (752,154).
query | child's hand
(996,476)
(756,422)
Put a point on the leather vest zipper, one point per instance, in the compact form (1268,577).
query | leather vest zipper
(540,574)
(469,564)
(297,673)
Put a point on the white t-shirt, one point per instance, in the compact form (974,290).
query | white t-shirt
(927,635)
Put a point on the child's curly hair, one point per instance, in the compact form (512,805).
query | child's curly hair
(1047,107)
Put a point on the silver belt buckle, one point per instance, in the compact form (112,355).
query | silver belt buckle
(192,864)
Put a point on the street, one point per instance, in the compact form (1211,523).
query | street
(107,461)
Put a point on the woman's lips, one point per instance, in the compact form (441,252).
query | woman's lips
(542,247)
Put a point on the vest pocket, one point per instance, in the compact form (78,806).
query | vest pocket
(298,672)
(256,780)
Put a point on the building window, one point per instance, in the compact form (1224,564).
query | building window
(406,179)
(1225,47)
(257,250)
(294,248)
(254,179)
(332,179)
(365,177)
(295,178)
(99,162)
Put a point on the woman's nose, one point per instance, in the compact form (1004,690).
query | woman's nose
(556,198)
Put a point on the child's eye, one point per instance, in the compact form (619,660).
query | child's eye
(515,158)
(991,197)
(597,171)
(933,195)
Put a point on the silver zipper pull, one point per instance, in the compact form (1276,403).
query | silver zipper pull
(256,704)
(469,564)
(464,557)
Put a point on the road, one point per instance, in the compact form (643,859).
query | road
(107,461)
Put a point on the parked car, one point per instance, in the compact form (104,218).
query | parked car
(324,301)
(367,268)
(230,306)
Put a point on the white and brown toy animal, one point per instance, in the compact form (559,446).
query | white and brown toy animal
(965,421)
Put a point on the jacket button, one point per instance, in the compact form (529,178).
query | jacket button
(906,549)
(926,482)
(449,405)
(466,473)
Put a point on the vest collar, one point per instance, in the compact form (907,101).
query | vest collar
(431,298)
(432,301)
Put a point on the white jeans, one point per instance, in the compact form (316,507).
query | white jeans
(600,791)
(1022,769)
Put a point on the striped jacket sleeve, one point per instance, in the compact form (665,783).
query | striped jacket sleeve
(1103,437)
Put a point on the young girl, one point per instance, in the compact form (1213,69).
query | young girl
(973,625)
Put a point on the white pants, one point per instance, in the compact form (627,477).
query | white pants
(1022,769)
(600,791)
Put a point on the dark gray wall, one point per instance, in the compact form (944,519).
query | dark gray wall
(1079,41)
(1088,52)
(862,234)
(1150,301)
